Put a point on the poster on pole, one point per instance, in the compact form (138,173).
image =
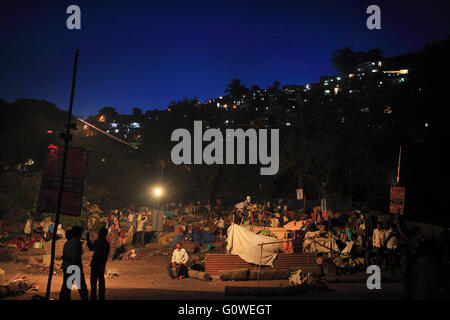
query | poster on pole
(299,194)
(397,201)
(74,177)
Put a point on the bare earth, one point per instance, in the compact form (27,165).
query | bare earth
(146,279)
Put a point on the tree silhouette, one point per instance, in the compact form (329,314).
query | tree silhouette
(344,60)
(236,88)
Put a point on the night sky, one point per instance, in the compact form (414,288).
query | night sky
(146,53)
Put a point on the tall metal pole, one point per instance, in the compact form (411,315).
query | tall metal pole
(260,260)
(66,137)
(398,165)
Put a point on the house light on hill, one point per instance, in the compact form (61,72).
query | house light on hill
(397,72)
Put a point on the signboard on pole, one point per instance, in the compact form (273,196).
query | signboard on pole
(397,202)
(76,166)
(299,194)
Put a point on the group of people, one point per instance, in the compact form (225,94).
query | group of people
(379,239)
(72,256)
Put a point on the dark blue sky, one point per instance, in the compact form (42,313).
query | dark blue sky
(145,53)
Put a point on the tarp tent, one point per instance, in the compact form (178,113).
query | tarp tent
(246,244)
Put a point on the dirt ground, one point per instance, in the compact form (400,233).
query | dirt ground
(146,278)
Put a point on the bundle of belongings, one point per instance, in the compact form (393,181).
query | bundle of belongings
(169,239)
(298,277)
(22,242)
(18,286)
(133,254)
(349,264)
(204,236)
(316,243)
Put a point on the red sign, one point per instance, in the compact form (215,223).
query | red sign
(76,166)
(397,203)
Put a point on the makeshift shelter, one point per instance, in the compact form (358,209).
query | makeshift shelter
(246,244)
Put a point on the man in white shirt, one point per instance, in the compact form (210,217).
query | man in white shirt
(179,260)
(140,230)
(378,238)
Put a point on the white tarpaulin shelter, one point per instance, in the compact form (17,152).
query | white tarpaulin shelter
(245,244)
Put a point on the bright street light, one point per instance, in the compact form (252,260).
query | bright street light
(157,192)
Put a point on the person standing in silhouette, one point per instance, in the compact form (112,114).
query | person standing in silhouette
(101,249)
(72,253)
